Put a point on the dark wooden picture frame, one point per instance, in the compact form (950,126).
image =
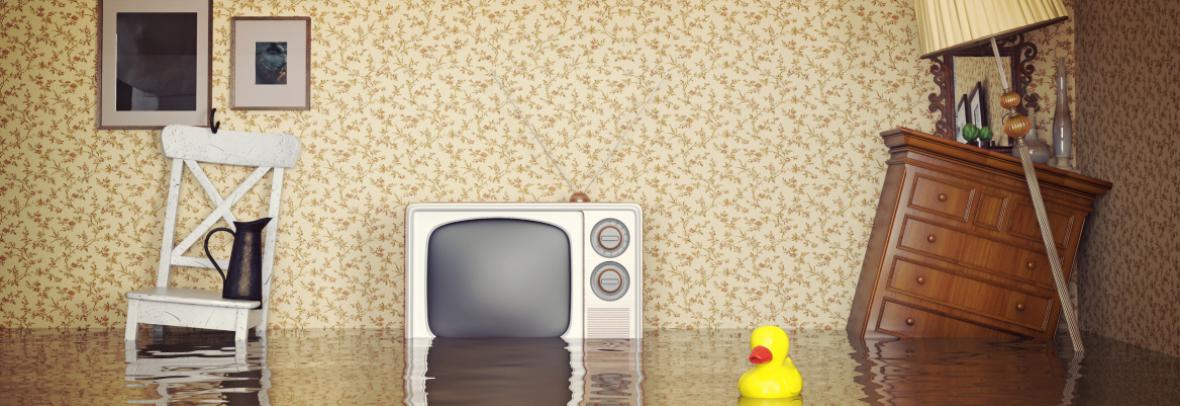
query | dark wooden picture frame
(961,119)
(108,114)
(235,99)
(1020,51)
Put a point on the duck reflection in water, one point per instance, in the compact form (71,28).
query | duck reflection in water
(795,401)
(529,371)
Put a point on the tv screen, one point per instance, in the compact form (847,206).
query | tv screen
(498,278)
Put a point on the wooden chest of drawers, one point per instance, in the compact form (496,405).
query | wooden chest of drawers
(955,250)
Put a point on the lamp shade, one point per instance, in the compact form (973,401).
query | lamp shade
(945,25)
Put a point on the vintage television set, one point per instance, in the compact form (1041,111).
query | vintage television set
(524,270)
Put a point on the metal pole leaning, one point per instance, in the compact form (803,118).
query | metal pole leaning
(1034,192)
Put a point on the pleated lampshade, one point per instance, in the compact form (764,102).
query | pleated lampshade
(945,25)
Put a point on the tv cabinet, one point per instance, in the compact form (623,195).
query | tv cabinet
(955,249)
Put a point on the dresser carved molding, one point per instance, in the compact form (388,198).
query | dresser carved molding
(955,250)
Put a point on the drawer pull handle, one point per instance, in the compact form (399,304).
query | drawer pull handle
(1020,307)
(909,321)
(1031,265)
(921,280)
(942,197)
(930,238)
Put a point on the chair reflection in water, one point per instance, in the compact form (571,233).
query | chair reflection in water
(514,371)
(196,368)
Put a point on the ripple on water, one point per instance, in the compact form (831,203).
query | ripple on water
(183,366)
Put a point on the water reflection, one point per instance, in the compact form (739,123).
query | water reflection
(794,401)
(194,366)
(550,371)
(377,367)
(903,372)
(918,372)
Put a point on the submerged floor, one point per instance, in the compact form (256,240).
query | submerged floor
(665,368)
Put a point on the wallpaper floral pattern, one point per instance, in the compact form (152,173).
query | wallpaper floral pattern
(1130,276)
(757,161)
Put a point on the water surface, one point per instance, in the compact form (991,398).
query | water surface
(182,366)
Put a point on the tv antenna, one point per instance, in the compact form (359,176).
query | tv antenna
(578,195)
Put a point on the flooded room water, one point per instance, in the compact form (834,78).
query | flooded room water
(665,368)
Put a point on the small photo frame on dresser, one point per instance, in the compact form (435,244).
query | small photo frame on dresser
(154,63)
(961,119)
(270,63)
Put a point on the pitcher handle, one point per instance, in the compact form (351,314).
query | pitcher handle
(207,254)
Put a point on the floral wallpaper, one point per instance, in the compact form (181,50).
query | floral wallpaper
(1053,42)
(1129,272)
(756,160)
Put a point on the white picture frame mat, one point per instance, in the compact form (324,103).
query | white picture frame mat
(109,116)
(250,95)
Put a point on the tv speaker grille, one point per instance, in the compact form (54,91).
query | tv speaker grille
(608,322)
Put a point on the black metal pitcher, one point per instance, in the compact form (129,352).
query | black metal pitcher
(244,278)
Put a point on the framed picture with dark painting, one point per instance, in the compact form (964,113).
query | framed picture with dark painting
(154,63)
(270,63)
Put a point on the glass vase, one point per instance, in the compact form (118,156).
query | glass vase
(1062,123)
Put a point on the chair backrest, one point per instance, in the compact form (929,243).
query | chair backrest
(191,146)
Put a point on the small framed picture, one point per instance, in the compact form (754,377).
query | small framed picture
(154,63)
(961,118)
(978,106)
(270,63)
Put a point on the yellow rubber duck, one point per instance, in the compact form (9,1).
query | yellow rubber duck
(773,376)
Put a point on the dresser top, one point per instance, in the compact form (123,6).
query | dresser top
(901,139)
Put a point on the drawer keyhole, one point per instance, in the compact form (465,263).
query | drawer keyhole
(942,197)
(909,321)
(921,280)
(930,238)
(1020,307)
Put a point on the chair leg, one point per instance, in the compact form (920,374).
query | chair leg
(241,327)
(132,321)
(241,335)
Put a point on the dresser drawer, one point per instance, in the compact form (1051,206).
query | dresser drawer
(943,196)
(1006,260)
(931,239)
(968,294)
(1022,223)
(907,321)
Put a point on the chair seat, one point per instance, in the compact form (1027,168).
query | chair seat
(190,296)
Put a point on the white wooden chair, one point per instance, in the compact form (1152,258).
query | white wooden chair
(183,307)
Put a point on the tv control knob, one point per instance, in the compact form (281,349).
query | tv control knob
(610,281)
(610,238)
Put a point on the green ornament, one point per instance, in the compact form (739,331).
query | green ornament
(970,132)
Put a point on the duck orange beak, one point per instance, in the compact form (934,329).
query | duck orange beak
(760,355)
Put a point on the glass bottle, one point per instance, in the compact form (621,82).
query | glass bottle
(1062,123)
